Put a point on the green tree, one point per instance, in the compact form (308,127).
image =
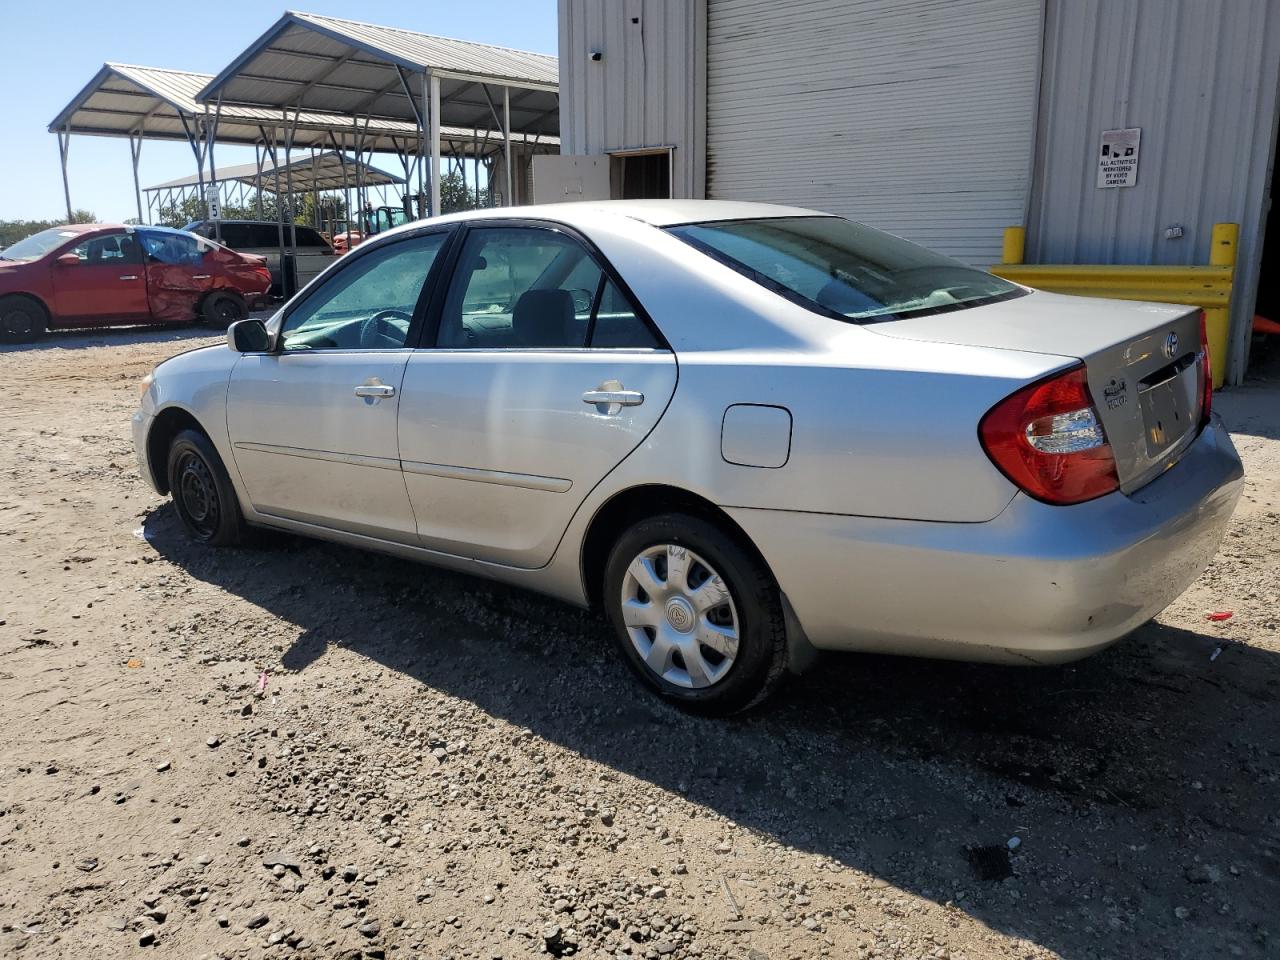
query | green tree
(455,195)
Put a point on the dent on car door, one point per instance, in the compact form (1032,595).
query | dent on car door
(313,424)
(177,276)
(542,377)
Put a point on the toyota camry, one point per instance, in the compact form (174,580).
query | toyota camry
(746,433)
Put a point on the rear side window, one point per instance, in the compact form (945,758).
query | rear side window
(235,235)
(174,248)
(308,237)
(531,288)
(844,269)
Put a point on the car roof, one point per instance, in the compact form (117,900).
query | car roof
(658,213)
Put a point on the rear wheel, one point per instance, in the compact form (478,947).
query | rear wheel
(22,320)
(202,492)
(696,614)
(223,308)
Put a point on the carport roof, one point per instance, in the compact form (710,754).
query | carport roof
(324,173)
(126,100)
(350,68)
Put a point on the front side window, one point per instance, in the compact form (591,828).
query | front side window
(531,288)
(367,305)
(115,248)
(176,248)
(845,269)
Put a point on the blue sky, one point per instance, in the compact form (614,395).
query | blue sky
(53,49)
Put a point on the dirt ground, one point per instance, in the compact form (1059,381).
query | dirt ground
(304,750)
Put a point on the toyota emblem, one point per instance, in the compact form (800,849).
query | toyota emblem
(1171,346)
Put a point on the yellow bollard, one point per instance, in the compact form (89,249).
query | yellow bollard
(1222,253)
(1015,244)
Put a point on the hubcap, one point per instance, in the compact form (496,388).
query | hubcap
(19,322)
(199,496)
(680,616)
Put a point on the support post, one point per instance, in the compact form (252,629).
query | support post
(1222,253)
(64,147)
(435,146)
(211,137)
(135,151)
(506,141)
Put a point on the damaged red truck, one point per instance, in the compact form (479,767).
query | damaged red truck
(93,275)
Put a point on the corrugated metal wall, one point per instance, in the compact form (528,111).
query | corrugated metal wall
(647,90)
(1200,78)
(916,117)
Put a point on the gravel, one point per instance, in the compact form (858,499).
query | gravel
(443,767)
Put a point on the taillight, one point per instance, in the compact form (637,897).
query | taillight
(1206,373)
(1048,440)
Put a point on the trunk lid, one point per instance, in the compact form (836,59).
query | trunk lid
(1141,360)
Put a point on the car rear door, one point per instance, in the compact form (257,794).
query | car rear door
(177,275)
(540,376)
(313,424)
(107,282)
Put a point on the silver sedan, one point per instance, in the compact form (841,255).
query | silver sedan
(745,432)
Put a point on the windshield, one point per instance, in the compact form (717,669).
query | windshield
(38,244)
(844,269)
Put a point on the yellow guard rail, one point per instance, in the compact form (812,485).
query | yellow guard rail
(1207,287)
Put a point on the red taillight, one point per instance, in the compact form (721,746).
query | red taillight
(1206,373)
(1047,438)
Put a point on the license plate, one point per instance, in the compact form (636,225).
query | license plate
(1170,409)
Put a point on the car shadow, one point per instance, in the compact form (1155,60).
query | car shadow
(1125,777)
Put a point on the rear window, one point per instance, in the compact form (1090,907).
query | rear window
(845,270)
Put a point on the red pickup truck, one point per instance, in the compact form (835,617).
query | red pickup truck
(91,275)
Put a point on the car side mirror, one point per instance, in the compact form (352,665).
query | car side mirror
(248,336)
(69,260)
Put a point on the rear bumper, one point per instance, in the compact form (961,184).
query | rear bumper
(1037,584)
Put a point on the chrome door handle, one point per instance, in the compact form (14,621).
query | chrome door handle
(132,276)
(375,390)
(201,276)
(624,398)
(610,397)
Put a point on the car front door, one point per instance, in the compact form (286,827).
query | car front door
(313,423)
(541,377)
(106,282)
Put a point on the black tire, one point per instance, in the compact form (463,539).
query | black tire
(223,308)
(759,663)
(22,319)
(202,492)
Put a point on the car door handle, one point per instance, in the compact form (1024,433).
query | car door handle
(132,276)
(625,398)
(375,390)
(201,276)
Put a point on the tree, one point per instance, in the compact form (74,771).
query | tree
(455,195)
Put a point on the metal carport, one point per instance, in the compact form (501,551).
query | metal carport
(156,103)
(307,62)
(318,173)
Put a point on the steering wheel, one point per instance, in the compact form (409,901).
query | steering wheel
(381,327)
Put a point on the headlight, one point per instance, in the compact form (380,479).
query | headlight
(145,384)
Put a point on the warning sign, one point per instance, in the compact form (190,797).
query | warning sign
(1118,157)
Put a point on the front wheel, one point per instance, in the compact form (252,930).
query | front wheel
(22,320)
(696,614)
(202,492)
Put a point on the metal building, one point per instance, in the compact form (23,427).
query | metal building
(943,121)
